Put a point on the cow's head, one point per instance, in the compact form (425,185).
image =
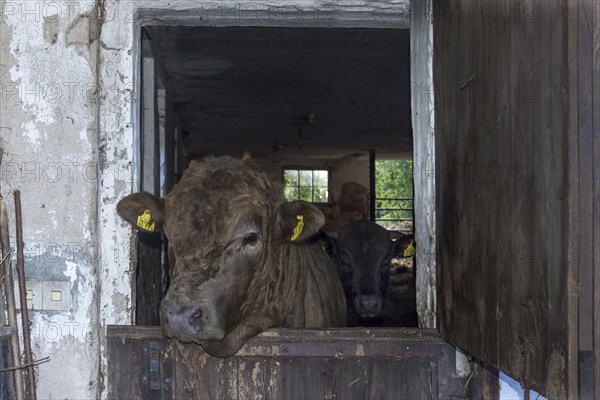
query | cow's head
(364,251)
(220,220)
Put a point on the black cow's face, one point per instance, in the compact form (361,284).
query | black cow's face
(364,267)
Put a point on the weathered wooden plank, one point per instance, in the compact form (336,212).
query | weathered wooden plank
(303,364)
(595,27)
(199,376)
(584,281)
(585,181)
(148,274)
(585,125)
(573,203)
(143,371)
(491,384)
(502,178)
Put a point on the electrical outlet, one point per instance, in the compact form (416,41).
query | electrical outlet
(33,290)
(56,296)
(46,295)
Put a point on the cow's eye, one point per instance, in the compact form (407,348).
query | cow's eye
(250,239)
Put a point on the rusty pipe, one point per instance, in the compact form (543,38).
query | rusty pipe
(23,298)
(9,294)
(9,291)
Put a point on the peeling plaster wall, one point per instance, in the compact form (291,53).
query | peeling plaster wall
(48,132)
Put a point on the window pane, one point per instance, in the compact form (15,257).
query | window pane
(290,177)
(291,193)
(320,178)
(320,194)
(305,178)
(305,193)
(308,185)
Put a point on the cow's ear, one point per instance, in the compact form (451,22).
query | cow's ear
(404,245)
(143,210)
(298,220)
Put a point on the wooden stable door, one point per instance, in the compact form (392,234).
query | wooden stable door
(517,152)
(399,363)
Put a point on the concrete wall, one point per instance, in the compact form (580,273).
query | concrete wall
(352,170)
(50,138)
(69,125)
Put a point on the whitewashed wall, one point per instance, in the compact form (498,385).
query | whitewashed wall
(49,135)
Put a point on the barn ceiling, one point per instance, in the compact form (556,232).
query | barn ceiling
(238,89)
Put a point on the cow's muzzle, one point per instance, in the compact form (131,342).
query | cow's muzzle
(368,306)
(188,321)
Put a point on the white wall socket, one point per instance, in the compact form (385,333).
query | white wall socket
(45,295)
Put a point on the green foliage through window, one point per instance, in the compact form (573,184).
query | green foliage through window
(306,184)
(393,191)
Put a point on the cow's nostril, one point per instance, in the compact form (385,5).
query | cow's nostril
(195,318)
(368,304)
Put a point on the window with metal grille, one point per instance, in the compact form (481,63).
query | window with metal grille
(306,184)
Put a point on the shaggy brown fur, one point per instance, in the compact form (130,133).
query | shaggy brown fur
(237,272)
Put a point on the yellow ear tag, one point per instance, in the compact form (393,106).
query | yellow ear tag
(143,221)
(299,227)
(410,250)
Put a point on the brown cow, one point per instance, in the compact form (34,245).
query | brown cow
(243,262)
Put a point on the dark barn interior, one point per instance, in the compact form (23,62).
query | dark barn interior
(238,89)
(305,97)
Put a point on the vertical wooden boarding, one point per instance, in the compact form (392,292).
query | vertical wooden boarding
(595,167)
(584,198)
(573,242)
(288,364)
(584,227)
(501,172)
(149,269)
(422,108)
(139,364)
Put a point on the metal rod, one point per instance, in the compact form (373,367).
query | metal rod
(393,219)
(9,294)
(23,296)
(372,194)
(394,198)
(9,291)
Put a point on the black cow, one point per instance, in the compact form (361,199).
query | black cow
(404,247)
(362,252)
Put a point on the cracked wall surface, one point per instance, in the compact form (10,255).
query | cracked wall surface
(48,132)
